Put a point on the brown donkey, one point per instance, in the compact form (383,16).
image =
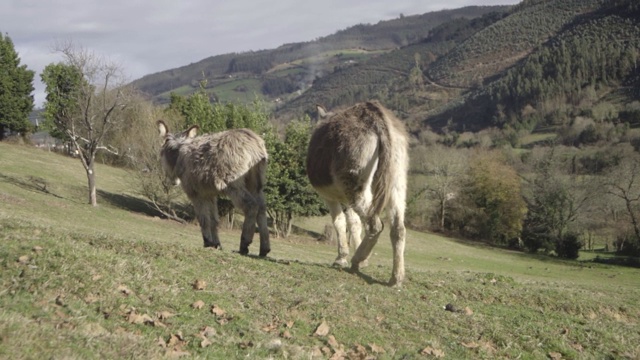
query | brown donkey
(232,163)
(358,159)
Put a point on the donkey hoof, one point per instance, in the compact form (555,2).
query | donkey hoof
(395,283)
(264,253)
(340,262)
(244,251)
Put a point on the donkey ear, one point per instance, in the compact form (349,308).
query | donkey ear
(162,128)
(322,112)
(192,131)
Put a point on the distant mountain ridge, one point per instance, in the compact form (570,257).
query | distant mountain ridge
(533,65)
(296,65)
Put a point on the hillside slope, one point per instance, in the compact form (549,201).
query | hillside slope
(114,282)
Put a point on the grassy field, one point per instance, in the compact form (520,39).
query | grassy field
(78,282)
(537,138)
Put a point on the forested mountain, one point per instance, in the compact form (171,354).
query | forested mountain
(588,63)
(395,77)
(523,67)
(283,72)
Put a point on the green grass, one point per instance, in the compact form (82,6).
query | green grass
(183,90)
(226,91)
(116,282)
(346,55)
(536,138)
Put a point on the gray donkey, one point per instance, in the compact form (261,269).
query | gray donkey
(358,158)
(232,163)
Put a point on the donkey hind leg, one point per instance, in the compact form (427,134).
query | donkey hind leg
(373,228)
(207,214)
(340,224)
(263,228)
(398,235)
(246,202)
(355,229)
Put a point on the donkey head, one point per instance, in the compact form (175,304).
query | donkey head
(171,149)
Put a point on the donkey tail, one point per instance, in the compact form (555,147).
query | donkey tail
(392,155)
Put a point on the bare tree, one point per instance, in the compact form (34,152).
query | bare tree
(624,184)
(86,95)
(445,169)
(140,145)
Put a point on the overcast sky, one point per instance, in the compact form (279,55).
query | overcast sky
(147,36)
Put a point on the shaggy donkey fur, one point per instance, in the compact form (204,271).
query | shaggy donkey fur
(358,159)
(232,163)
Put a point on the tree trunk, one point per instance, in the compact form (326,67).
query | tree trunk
(276,223)
(634,221)
(442,213)
(231,217)
(287,230)
(91,177)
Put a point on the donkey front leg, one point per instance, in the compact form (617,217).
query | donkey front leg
(355,229)
(372,232)
(206,212)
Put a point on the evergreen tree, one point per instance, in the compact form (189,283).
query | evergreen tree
(63,84)
(288,191)
(16,85)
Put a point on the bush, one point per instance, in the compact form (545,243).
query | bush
(492,192)
(600,161)
(568,246)
(627,244)
(534,241)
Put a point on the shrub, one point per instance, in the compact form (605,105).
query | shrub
(568,246)
(493,195)
(533,241)
(627,244)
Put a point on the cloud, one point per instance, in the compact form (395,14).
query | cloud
(150,36)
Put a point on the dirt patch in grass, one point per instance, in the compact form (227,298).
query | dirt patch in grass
(10,199)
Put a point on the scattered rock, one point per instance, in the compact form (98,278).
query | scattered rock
(198,304)
(322,330)
(432,351)
(199,284)
(451,307)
